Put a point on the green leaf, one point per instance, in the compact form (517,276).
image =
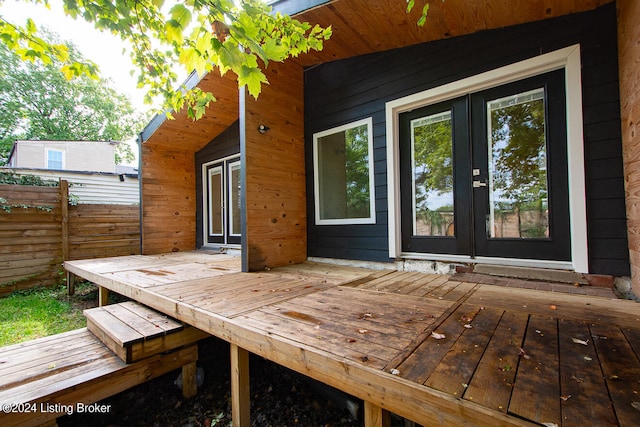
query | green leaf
(181,15)
(173,31)
(253,79)
(274,50)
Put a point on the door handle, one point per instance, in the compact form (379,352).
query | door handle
(478,184)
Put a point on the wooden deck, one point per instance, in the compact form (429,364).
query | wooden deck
(431,348)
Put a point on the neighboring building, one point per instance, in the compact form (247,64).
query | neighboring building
(94,156)
(89,166)
(477,71)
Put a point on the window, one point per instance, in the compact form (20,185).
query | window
(343,174)
(55,159)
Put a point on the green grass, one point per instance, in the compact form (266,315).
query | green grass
(26,315)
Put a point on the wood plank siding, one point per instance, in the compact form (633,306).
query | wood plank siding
(629,51)
(273,171)
(344,91)
(167,170)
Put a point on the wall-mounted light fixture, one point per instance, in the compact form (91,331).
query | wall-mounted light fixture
(263,128)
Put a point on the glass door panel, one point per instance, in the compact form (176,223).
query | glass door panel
(235,224)
(517,173)
(432,166)
(216,202)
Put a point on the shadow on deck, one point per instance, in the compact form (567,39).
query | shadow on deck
(435,349)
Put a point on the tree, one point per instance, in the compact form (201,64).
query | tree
(37,102)
(238,36)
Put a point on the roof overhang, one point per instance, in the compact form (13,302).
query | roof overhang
(359,27)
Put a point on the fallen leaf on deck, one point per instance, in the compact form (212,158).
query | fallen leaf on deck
(51,366)
(550,424)
(466,319)
(395,372)
(565,398)
(588,359)
(553,307)
(364,358)
(576,379)
(363,331)
(3,361)
(468,326)
(636,405)
(524,354)
(579,341)
(351,340)
(437,335)
(505,368)
(367,316)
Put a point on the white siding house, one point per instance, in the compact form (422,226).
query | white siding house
(88,166)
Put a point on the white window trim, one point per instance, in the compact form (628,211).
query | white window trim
(568,59)
(46,157)
(316,178)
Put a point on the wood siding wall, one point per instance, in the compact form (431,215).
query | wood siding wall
(629,58)
(224,145)
(32,239)
(344,91)
(168,200)
(274,171)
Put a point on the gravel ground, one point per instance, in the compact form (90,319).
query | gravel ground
(279,398)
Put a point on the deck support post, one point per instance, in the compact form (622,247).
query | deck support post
(103,296)
(240,393)
(71,283)
(189,380)
(375,416)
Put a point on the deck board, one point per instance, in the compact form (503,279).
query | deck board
(536,392)
(492,383)
(581,379)
(369,332)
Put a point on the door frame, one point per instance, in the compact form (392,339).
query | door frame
(568,59)
(228,160)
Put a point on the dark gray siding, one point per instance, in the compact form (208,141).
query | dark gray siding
(343,91)
(224,145)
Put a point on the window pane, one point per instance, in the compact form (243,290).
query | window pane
(518,189)
(344,175)
(432,163)
(215,201)
(234,198)
(54,159)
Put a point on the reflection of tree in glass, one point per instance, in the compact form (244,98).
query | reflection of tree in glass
(357,169)
(519,160)
(433,171)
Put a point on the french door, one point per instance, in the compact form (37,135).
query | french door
(486,174)
(222,202)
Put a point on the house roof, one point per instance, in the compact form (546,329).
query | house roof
(359,27)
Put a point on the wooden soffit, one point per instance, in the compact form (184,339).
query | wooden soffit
(367,26)
(359,27)
(183,133)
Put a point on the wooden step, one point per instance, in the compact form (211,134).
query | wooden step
(134,332)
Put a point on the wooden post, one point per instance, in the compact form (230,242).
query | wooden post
(103,296)
(64,226)
(189,380)
(375,416)
(240,395)
(71,283)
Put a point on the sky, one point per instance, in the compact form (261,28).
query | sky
(103,48)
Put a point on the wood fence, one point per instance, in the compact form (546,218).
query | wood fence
(39,230)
